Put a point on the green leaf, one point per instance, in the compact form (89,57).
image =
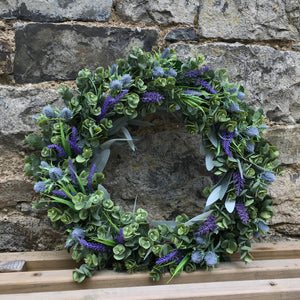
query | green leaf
(214,196)
(58,200)
(180,266)
(213,137)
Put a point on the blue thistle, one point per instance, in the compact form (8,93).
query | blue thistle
(232,90)
(249,147)
(44,164)
(113,69)
(267,177)
(158,72)
(262,126)
(75,235)
(171,73)
(211,259)
(233,107)
(263,226)
(208,226)
(66,113)
(197,257)
(240,95)
(200,240)
(242,212)
(56,174)
(48,112)
(126,80)
(165,53)
(94,246)
(239,182)
(252,131)
(152,97)
(116,84)
(40,187)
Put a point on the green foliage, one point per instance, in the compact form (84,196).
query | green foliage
(76,146)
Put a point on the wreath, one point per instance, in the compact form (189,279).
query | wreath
(74,144)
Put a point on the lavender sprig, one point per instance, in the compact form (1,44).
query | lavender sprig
(167,258)
(196,73)
(209,225)
(120,238)
(89,186)
(73,175)
(152,97)
(73,142)
(242,212)
(61,152)
(94,246)
(226,139)
(239,182)
(60,193)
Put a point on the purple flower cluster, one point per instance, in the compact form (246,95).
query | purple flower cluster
(89,187)
(72,173)
(152,97)
(208,226)
(94,246)
(196,73)
(73,142)
(110,103)
(206,85)
(239,182)
(61,152)
(242,212)
(120,238)
(60,193)
(226,139)
(169,257)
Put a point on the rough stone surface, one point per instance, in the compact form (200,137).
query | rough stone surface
(181,34)
(162,12)
(166,173)
(17,106)
(250,20)
(272,77)
(285,192)
(286,138)
(69,48)
(56,10)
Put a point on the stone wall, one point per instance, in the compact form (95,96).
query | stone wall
(44,43)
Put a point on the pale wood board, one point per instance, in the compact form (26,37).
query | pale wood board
(278,289)
(59,280)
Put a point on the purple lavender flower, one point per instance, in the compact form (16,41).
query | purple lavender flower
(233,107)
(60,193)
(197,257)
(206,85)
(240,95)
(249,147)
(165,53)
(73,175)
(252,131)
(211,259)
(48,112)
(120,238)
(56,174)
(192,92)
(61,152)
(73,141)
(152,97)
(196,73)
(94,246)
(226,140)
(169,257)
(66,113)
(267,177)
(110,103)
(89,186)
(116,84)
(40,187)
(126,79)
(171,73)
(242,212)
(158,71)
(209,225)
(239,182)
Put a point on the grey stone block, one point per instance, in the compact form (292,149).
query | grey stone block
(250,20)
(56,10)
(162,12)
(271,77)
(181,34)
(58,51)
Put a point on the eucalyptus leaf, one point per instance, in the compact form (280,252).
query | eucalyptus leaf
(198,218)
(224,184)
(230,205)
(214,196)
(104,190)
(203,147)
(213,137)
(128,137)
(117,125)
(209,163)
(100,160)
(240,168)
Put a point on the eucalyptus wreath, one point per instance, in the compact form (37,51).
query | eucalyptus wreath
(74,146)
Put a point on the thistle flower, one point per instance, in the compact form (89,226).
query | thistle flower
(94,246)
(167,258)
(40,187)
(233,107)
(239,182)
(262,226)
(232,90)
(262,126)
(126,79)
(66,113)
(113,69)
(200,240)
(211,259)
(152,97)
(120,238)
(165,53)
(252,131)
(48,112)
(242,212)
(89,187)
(267,177)
(197,257)
(56,174)
(209,225)
(75,235)
(240,95)
(249,147)
(226,140)
(116,84)
(44,164)
(171,73)
(158,72)
(61,152)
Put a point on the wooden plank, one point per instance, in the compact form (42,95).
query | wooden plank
(236,290)
(59,260)
(60,280)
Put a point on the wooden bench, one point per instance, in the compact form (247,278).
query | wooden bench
(274,274)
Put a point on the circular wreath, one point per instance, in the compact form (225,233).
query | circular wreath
(75,147)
